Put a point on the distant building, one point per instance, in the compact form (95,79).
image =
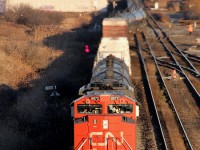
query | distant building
(2,6)
(62,5)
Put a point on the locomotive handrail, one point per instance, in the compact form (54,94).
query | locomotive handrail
(127,143)
(114,138)
(82,144)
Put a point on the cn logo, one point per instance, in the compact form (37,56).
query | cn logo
(107,135)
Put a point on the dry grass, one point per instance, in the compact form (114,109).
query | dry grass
(25,14)
(76,20)
(31,58)
(22,52)
(20,55)
(12,70)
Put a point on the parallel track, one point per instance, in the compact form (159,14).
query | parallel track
(161,142)
(183,98)
(160,104)
(180,61)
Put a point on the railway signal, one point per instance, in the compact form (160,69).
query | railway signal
(87,50)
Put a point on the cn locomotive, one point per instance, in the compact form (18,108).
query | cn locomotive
(105,116)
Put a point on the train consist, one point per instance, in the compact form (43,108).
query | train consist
(105,116)
(134,14)
(135,19)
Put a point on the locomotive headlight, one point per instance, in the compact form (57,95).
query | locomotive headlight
(105,124)
(121,101)
(87,101)
(94,121)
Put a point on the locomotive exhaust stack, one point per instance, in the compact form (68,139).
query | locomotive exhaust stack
(109,71)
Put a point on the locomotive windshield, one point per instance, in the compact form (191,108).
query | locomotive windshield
(89,109)
(120,108)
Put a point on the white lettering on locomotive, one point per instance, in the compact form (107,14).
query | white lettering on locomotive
(107,135)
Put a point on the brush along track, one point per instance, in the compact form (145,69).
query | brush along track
(184,94)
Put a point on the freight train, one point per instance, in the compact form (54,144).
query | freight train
(135,19)
(132,11)
(105,116)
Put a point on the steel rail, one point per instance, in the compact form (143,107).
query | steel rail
(193,59)
(189,57)
(169,96)
(178,65)
(161,134)
(172,64)
(182,54)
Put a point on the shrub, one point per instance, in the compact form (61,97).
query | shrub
(25,14)
(31,53)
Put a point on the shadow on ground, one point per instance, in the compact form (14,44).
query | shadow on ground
(38,121)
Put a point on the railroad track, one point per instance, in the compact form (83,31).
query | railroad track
(177,58)
(175,100)
(179,54)
(194,59)
(159,98)
(159,134)
(145,132)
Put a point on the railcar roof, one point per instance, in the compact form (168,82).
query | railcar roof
(114,22)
